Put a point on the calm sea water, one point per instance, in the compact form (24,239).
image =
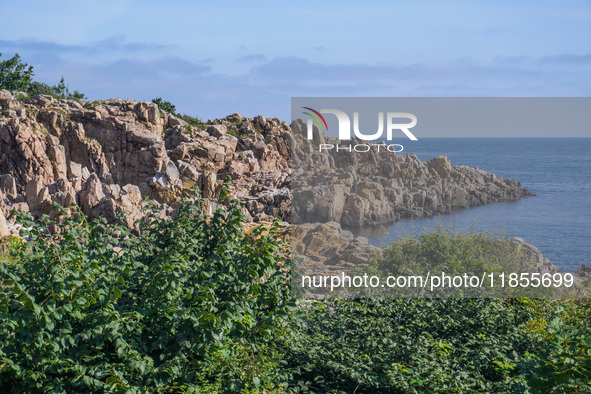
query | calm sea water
(558,170)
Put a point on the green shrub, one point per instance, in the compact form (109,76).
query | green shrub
(170,108)
(14,74)
(563,363)
(445,250)
(59,91)
(192,120)
(97,307)
(165,106)
(18,76)
(471,253)
(413,346)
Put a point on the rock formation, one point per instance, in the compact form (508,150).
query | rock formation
(110,156)
(107,156)
(377,187)
(326,248)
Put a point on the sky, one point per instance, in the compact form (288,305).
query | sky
(212,59)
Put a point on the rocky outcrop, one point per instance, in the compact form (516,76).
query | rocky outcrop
(377,187)
(67,151)
(107,156)
(3,226)
(533,261)
(326,248)
(91,152)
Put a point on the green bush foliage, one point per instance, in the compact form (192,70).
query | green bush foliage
(449,251)
(402,346)
(194,304)
(480,254)
(563,363)
(192,120)
(14,74)
(183,305)
(442,346)
(59,91)
(165,106)
(18,76)
(170,108)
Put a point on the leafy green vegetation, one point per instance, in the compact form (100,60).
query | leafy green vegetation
(183,304)
(443,346)
(18,76)
(444,249)
(198,304)
(59,91)
(455,253)
(170,108)
(165,106)
(193,120)
(14,74)
(563,363)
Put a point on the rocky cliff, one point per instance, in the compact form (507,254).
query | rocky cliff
(378,187)
(108,155)
(112,156)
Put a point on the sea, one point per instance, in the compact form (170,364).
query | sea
(557,220)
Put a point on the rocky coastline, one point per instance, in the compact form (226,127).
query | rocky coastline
(115,156)
(378,187)
(108,155)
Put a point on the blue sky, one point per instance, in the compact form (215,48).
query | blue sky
(216,58)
